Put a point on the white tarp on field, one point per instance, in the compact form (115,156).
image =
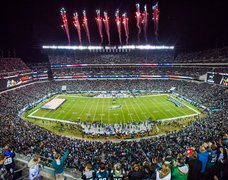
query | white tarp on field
(53,104)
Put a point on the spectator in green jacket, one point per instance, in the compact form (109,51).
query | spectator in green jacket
(58,165)
(180,170)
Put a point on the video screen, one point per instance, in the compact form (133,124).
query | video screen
(217,79)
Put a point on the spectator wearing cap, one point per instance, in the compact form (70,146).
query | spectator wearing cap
(180,170)
(136,173)
(195,166)
(34,169)
(58,164)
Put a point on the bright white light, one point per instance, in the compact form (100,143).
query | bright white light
(130,47)
(127,47)
(94,47)
(148,47)
(110,47)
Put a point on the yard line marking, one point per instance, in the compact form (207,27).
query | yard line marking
(109,112)
(143,111)
(124,119)
(135,111)
(162,107)
(65,109)
(102,110)
(169,113)
(96,109)
(148,110)
(127,110)
(178,110)
(81,114)
(91,108)
(68,110)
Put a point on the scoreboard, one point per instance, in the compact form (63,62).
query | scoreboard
(217,78)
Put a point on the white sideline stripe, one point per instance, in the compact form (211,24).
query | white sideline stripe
(197,112)
(34,112)
(69,122)
(179,117)
(52,119)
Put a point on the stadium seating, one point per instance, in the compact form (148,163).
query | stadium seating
(12,66)
(192,71)
(27,138)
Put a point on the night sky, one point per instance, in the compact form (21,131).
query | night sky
(188,24)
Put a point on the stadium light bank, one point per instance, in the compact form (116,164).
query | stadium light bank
(127,47)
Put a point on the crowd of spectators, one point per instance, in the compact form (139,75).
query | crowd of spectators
(60,57)
(192,71)
(206,56)
(15,66)
(39,67)
(63,57)
(156,56)
(12,66)
(152,158)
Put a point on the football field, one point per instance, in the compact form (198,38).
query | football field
(121,110)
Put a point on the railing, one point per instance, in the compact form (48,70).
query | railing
(45,171)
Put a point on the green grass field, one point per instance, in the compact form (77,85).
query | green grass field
(88,109)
